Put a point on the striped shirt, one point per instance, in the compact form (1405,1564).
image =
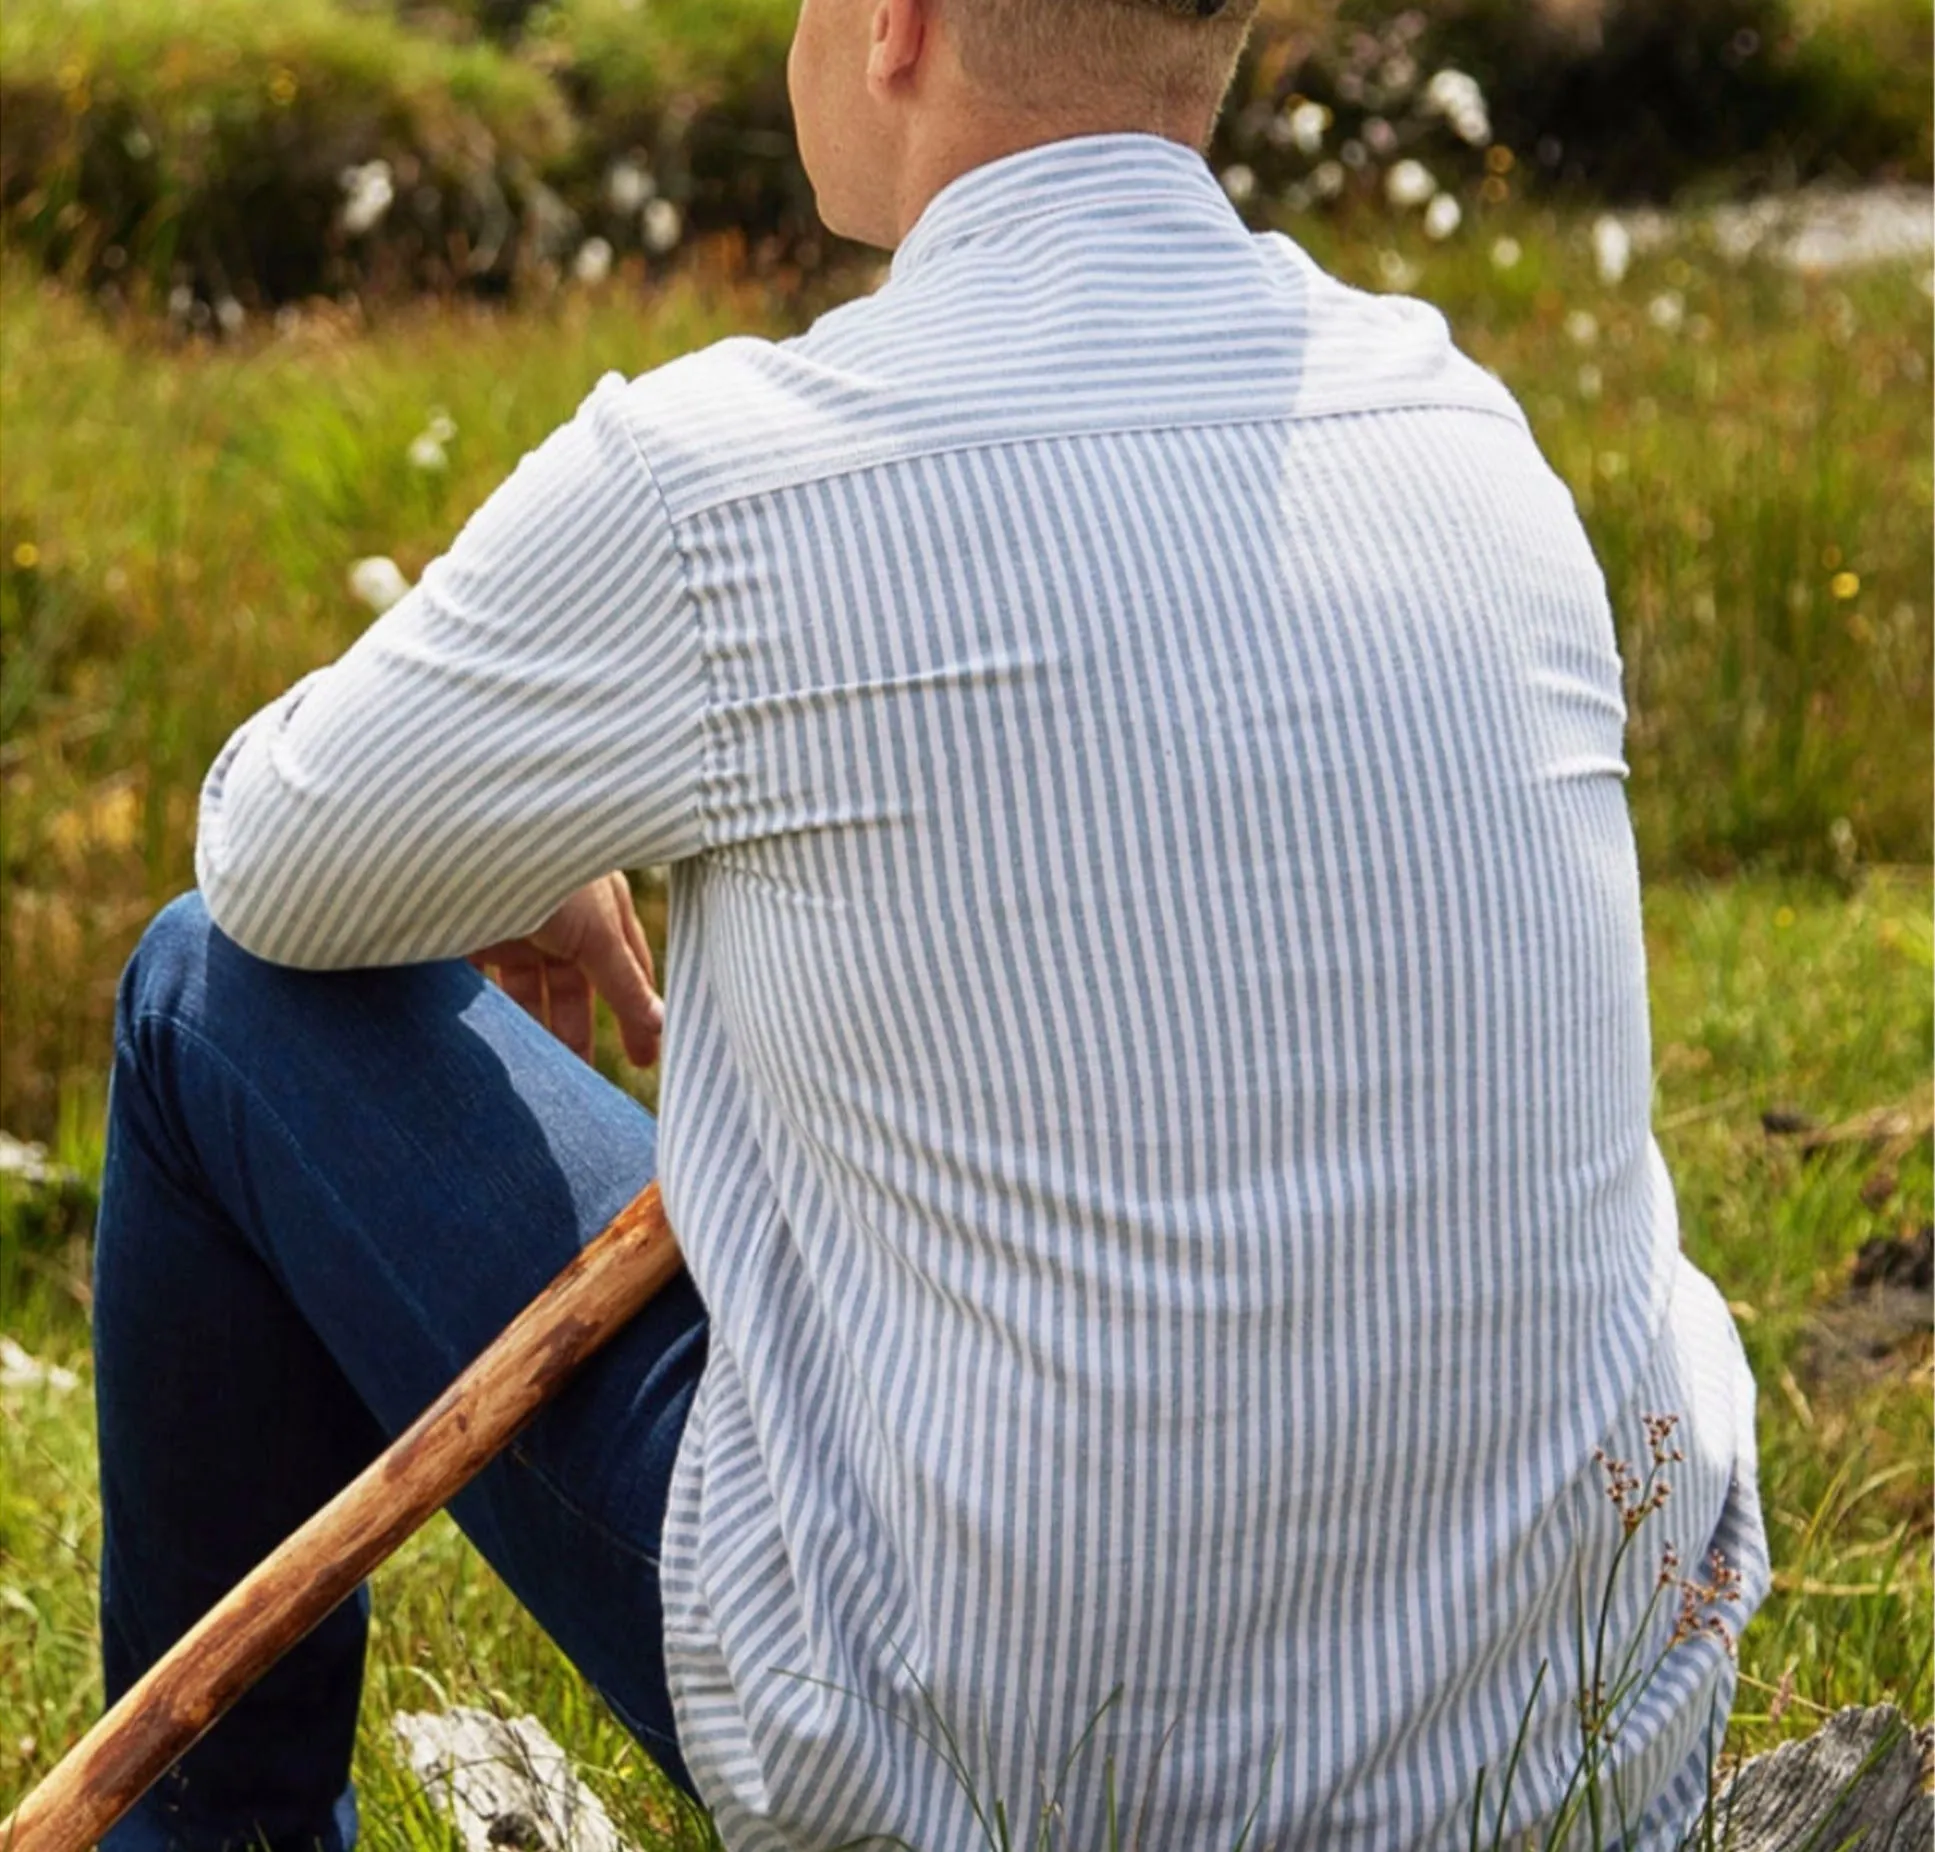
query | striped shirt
(1156,1088)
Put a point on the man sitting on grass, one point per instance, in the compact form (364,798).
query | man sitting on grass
(1156,1078)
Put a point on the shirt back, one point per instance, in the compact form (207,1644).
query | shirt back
(1160,1095)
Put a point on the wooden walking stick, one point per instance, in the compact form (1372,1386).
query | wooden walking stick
(265,1614)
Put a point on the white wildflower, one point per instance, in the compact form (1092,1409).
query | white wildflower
(1582,327)
(1395,273)
(1239,182)
(1380,138)
(1505,253)
(1612,249)
(1591,381)
(368,192)
(378,582)
(1443,217)
(1456,98)
(230,314)
(1327,179)
(593,262)
(662,224)
(1667,311)
(1307,123)
(1409,183)
(425,453)
(180,300)
(441,426)
(628,186)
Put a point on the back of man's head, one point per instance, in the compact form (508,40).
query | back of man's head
(894,98)
(1170,58)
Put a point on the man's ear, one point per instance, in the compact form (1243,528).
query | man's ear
(897,38)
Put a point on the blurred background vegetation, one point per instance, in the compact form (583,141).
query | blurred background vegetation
(286,290)
(252,155)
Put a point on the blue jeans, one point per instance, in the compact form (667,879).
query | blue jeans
(324,1194)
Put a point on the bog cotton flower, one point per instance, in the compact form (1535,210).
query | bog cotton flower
(1395,272)
(1506,253)
(1307,123)
(1612,249)
(1239,182)
(1443,217)
(628,186)
(1667,311)
(377,582)
(367,193)
(593,262)
(1409,183)
(425,453)
(1582,327)
(1456,98)
(662,225)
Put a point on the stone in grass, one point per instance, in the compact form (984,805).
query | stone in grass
(505,1783)
(42,1203)
(1859,1782)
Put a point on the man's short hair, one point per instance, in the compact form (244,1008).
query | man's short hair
(1166,56)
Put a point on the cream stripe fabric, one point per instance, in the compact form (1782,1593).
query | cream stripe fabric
(1157,1078)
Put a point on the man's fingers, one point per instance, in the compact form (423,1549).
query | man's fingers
(624,981)
(593,943)
(524,985)
(568,993)
(635,932)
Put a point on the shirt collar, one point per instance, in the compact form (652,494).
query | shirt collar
(1084,172)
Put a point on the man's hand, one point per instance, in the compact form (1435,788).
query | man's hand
(593,942)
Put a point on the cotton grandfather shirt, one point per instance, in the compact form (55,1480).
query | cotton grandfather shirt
(1156,1068)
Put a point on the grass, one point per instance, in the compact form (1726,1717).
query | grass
(1768,994)
(176,523)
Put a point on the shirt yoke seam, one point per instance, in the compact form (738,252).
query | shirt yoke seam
(836,472)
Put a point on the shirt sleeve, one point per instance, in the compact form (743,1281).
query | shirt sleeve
(530,715)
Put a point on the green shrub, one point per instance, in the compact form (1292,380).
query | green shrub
(229,149)
(1620,98)
(261,153)
(690,97)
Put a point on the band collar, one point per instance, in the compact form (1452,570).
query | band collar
(1084,172)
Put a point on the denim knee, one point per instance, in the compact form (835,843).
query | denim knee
(167,962)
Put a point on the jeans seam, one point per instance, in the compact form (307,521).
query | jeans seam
(516,1454)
